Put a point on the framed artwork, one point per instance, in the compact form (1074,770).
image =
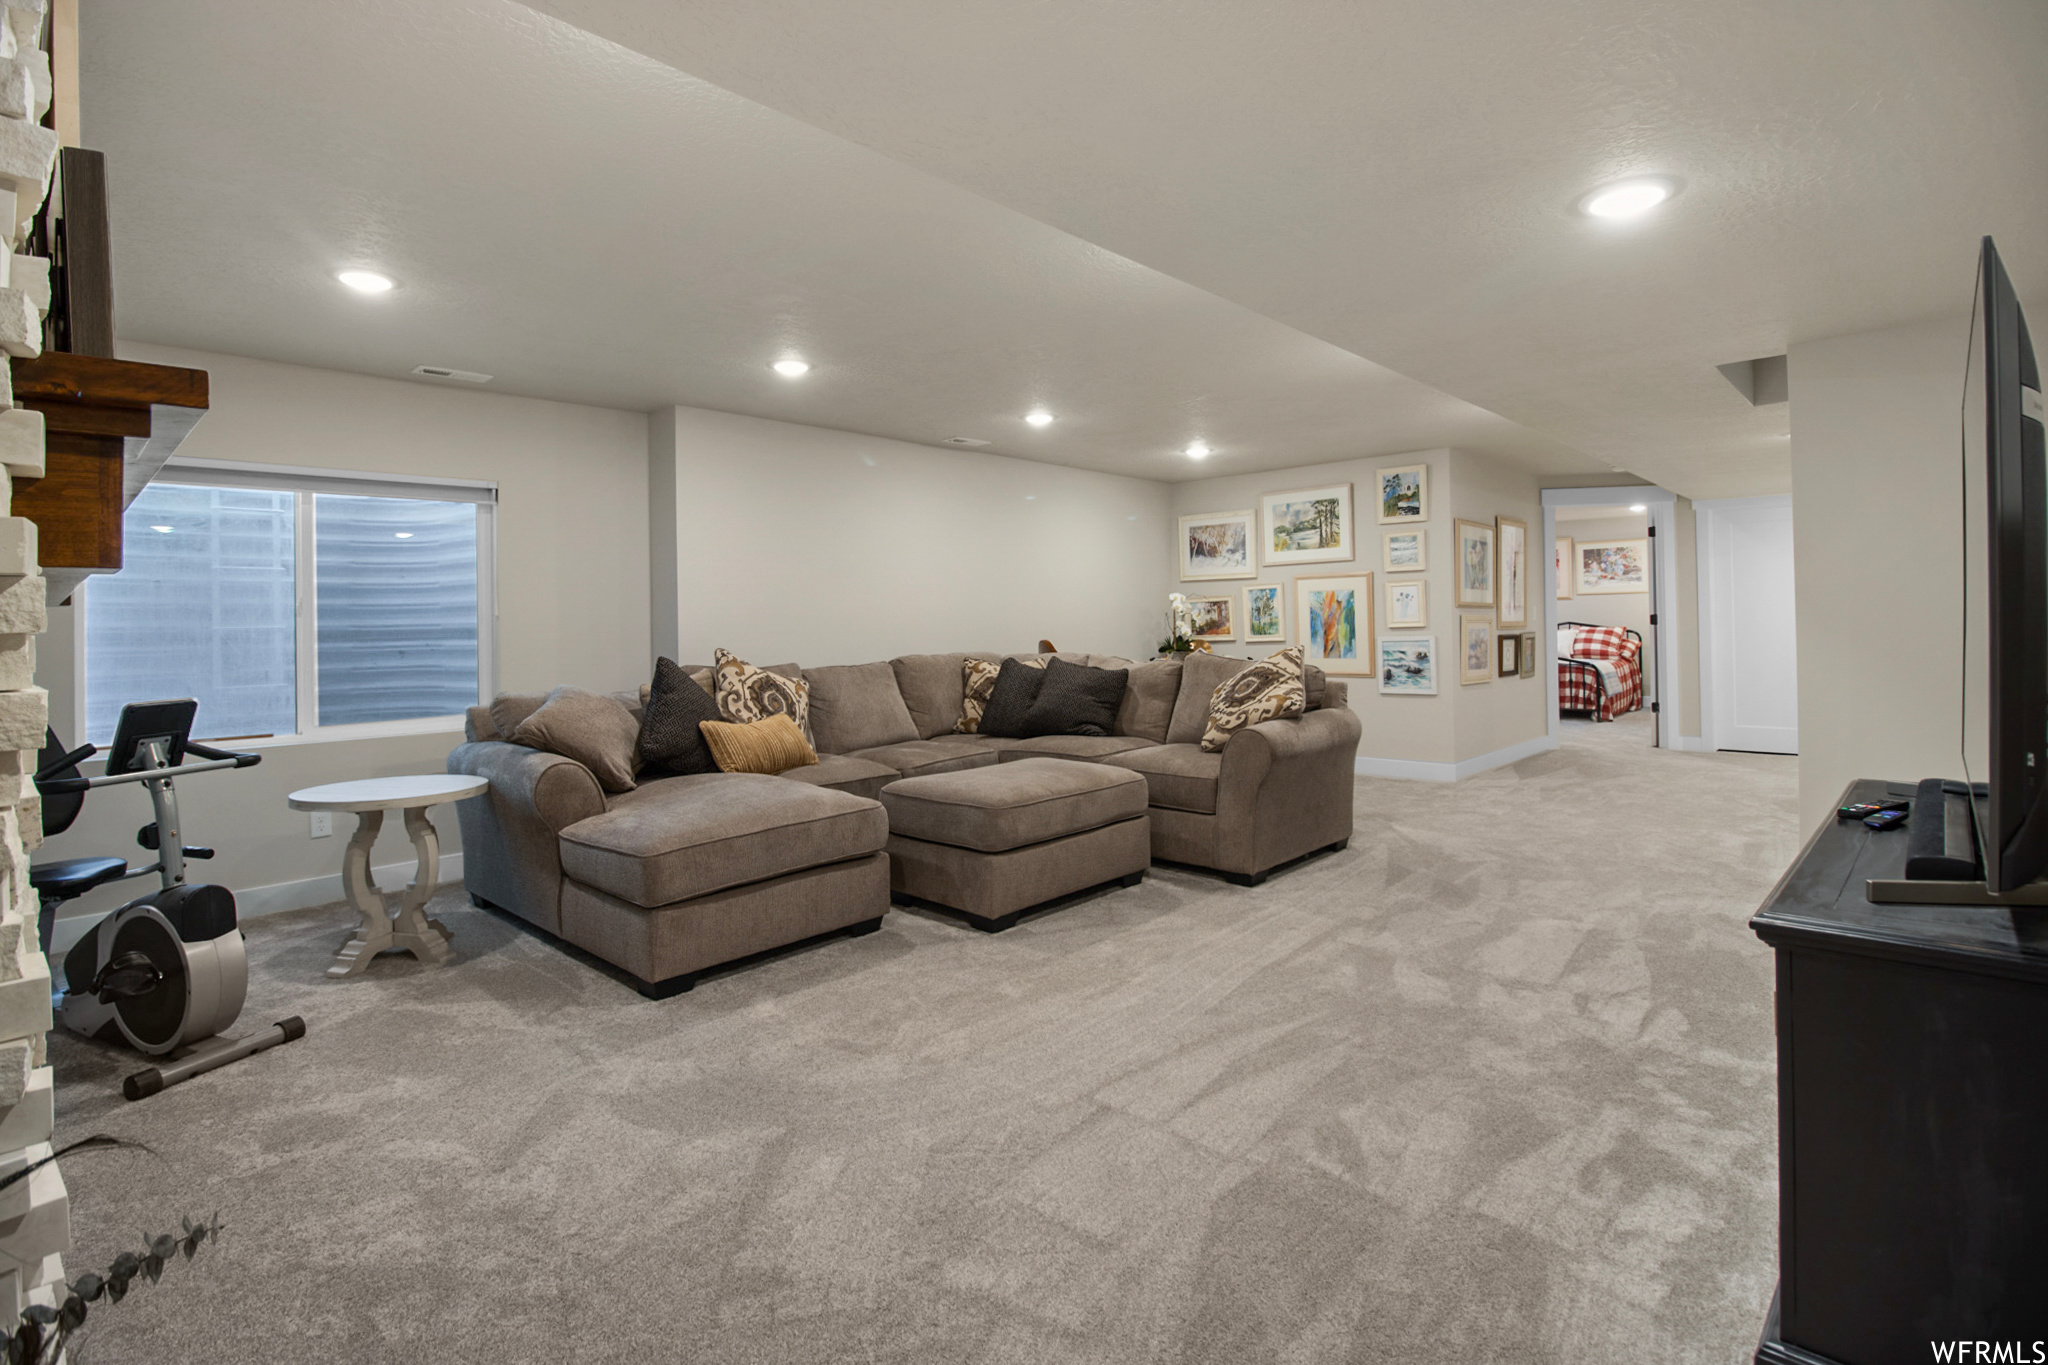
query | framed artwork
(1613,566)
(1312,526)
(1404,493)
(1216,545)
(1333,622)
(1567,570)
(1511,539)
(1475,563)
(1475,649)
(1209,618)
(1528,653)
(1407,604)
(1408,665)
(1406,551)
(1510,647)
(1265,612)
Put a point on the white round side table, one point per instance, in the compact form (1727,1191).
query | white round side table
(383,929)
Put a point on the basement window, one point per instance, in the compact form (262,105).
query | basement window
(294,604)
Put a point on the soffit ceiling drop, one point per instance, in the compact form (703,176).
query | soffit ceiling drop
(586,223)
(1397,177)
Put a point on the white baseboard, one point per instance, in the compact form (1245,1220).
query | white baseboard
(1691,744)
(256,901)
(1416,771)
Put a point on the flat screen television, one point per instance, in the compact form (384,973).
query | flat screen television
(2011,817)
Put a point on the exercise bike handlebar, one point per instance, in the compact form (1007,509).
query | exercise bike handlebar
(216,760)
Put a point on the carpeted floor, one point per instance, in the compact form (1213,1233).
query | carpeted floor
(1494,1084)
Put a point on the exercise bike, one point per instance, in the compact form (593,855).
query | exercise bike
(165,973)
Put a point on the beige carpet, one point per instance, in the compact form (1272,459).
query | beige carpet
(1495,1084)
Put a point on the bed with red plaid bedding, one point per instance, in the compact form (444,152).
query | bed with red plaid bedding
(1579,684)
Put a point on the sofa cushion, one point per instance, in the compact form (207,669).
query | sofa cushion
(1083,748)
(845,773)
(1200,675)
(1075,699)
(921,756)
(975,742)
(595,730)
(670,741)
(1017,685)
(509,709)
(746,693)
(757,746)
(1271,689)
(688,836)
(1316,683)
(857,706)
(934,691)
(1012,805)
(1179,776)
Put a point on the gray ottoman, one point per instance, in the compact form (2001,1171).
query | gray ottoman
(994,842)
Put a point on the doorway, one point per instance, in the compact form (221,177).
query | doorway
(1611,565)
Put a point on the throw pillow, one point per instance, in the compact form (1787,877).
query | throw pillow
(1009,701)
(509,709)
(670,741)
(1076,699)
(1271,689)
(769,746)
(595,730)
(979,677)
(746,693)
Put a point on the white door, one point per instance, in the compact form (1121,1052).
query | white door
(1748,635)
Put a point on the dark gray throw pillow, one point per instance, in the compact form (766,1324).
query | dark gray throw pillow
(670,741)
(1076,700)
(1016,688)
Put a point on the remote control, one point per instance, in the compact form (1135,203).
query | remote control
(1886,819)
(1865,810)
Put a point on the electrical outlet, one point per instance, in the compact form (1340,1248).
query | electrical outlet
(323,823)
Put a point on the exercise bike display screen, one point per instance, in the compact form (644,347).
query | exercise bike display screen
(143,721)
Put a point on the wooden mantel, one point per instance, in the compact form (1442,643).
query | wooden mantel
(109,425)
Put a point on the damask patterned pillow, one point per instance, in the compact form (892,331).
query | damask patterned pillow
(980,677)
(1272,689)
(745,693)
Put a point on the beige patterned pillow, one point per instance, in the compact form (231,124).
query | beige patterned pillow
(745,693)
(1271,689)
(980,677)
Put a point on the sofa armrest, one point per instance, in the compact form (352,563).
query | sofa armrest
(1285,789)
(509,852)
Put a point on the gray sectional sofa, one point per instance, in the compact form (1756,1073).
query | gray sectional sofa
(684,874)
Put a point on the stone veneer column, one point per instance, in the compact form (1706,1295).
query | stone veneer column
(35,1218)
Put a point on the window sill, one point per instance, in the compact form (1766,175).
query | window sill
(342,734)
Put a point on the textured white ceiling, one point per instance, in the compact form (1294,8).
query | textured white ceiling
(587,223)
(1396,176)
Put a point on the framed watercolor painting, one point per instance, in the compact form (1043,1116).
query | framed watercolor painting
(1511,541)
(1613,566)
(1333,622)
(1528,653)
(1265,613)
(1216,545)
(1475,562)
(1510,647)
(1404,493)
(1210,618)
(1312,526)
(1567,570)
(1406,551)
(1475,649)
(1408,665)
(1407,604)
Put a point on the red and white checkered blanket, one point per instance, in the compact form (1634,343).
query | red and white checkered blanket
(1580,686)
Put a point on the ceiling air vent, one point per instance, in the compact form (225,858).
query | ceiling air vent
(963,441)
(443,372)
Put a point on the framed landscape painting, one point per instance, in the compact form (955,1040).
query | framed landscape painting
(1510,647)
(1407,604)
(1209,618)
(1312,526)
(1408,665)
(1567,570)
(1475,563)
(1475,649)
(1528,653)
(1512,553)
(1404,493)
(1265,612)
(1333,621)
(1406,551)
(1216,545)
(1613,566)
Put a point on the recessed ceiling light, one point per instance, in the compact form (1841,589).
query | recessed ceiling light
(164,529)
(1639,507)
(792,368)
(1038,417)
(1628,198)
(402,535)
(1198,450)
(365,281)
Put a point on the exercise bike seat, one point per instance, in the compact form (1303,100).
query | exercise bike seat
(69,877)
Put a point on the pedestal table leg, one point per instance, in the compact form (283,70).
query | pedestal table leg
(373,935)
(426,939)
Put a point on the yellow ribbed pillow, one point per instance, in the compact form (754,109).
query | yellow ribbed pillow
(774,745)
